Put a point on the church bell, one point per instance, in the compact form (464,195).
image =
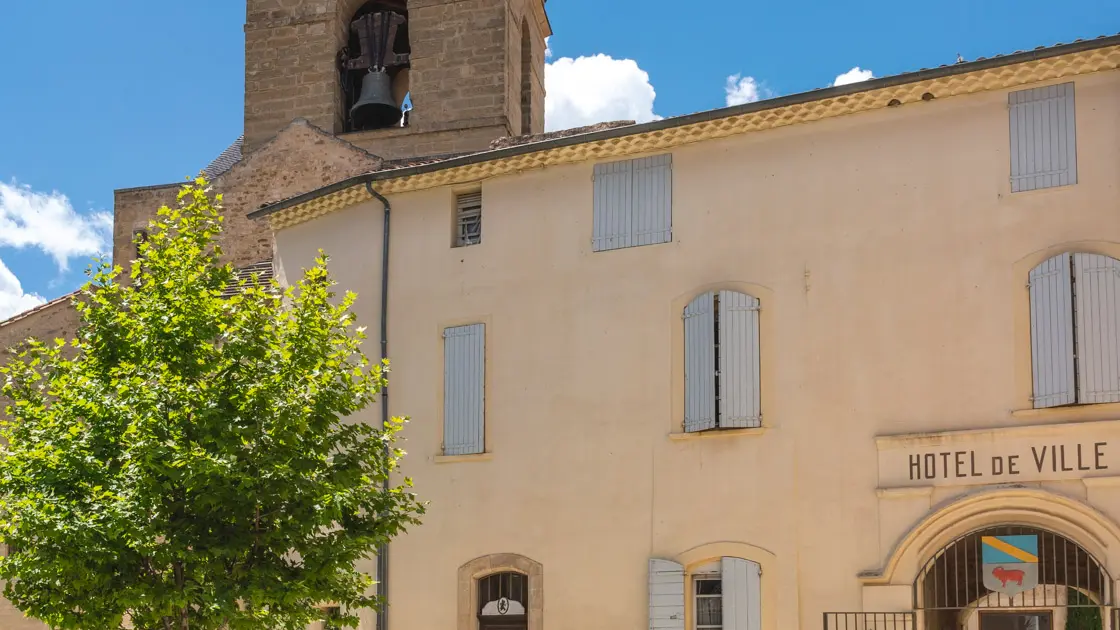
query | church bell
(380,64)
(375,107)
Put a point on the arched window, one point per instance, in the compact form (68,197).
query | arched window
(503,601)
(1075,330)
(526,79)
(722,594)
(722,362)
(501,591)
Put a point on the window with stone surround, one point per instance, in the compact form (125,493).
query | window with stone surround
(491,584)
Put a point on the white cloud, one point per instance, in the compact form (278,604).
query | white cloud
(589,90)
(855,75)
(741,90)
(47,221)
(547,48)
(12,298)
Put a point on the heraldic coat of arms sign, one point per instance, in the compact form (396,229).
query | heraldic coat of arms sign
(1009,564)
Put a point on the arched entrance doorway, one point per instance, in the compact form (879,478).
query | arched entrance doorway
(1012,577)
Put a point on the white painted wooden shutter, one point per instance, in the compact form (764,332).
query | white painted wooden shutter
(699,364)
(464,387)
(653,200)
(1043,137)
(666,595)
(1097,291)
(1052,333)
(742,594)
(739,383)
(613,206)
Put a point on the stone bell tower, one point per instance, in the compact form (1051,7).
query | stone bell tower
(466,71)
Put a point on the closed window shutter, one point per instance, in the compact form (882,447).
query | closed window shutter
(742,594)
(666,595)
(653,200)
(739,383)
(613,204)
(464,379)
(1097,291)
(1052,333)
(699,365)
(1043,137)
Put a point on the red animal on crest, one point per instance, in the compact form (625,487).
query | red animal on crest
(1008,575)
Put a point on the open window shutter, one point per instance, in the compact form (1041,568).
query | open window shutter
(1097,291)
(1052,333)
(653,200)
(613,203)
(464,379)
(666,595)
(739,383)
(699,365)
(742,594)
(1043,137)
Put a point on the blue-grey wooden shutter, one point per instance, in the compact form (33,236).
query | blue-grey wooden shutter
(464,387)
(613,206)
(740,401)
(1052,333)
(1043,137)
(666,595)
(699,364)
(633,203)
(742,594)
(653,200)
(1097,294)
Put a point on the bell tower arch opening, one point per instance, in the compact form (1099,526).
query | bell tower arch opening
(1012,577)
(374,66)
(526,78)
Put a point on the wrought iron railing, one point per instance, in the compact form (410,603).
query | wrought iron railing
(869,621)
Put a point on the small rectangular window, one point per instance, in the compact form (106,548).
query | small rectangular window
(709,603)
(138,239)
(468,219)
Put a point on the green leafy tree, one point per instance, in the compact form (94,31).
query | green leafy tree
(186,462)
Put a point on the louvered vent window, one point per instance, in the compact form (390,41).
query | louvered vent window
(1075,330)
(468,219)
(722,362)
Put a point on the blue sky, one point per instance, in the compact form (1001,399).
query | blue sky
(102,95)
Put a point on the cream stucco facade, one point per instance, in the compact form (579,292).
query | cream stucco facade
(877,227)
(891,260)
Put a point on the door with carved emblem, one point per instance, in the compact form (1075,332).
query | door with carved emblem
(503,602)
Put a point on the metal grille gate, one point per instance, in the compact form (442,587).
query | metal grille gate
(950,586)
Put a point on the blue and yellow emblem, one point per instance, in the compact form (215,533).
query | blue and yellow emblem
(1009,564)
